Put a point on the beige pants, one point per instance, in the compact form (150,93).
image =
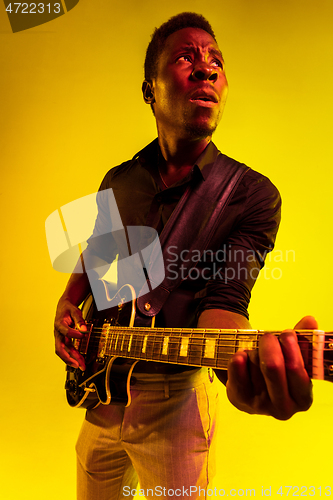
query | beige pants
(164,440)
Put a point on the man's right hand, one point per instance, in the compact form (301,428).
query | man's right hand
(67,323)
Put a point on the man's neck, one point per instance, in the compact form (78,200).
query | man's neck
(179,156)
(178,152)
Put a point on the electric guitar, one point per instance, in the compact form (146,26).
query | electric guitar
(112,350)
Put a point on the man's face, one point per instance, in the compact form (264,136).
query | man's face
(191,88)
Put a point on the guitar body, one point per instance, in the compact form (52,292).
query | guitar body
(106,379)
(103,382)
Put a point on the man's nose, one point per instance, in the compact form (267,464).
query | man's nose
(204,72)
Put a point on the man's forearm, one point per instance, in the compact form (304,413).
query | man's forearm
(77,289)
(78,286)
(218,318)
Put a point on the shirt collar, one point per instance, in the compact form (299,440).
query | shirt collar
(207,158)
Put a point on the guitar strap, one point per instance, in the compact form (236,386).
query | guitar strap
(190,229)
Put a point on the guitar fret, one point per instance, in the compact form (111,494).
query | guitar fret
(116,342)
(144,347)
(246,341)
(126,340)
(149,347)
(122,342)
(196,349)
(165,346)
(174,346)
(226,347)
(184,346)
(210,348)
(135,349)
(130,343)
(135,343)
(140,345)
(157,347)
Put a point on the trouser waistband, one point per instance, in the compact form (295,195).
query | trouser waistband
(170,382)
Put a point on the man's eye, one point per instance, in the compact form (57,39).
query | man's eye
(218,63)
(185,58)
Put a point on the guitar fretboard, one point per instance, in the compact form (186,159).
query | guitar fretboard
(194,347)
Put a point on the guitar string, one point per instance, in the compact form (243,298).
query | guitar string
(195,340)
(191,341)
(192,345)
(176,339)
(193,332)
(191,359)
(152,354)
(157,344)
(229,331)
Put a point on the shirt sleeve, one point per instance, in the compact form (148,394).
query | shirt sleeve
(251,238)
(102,242)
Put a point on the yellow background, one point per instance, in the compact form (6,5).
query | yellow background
(71,108)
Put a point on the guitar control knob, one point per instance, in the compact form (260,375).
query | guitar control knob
(70,368)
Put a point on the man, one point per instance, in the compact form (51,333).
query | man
(166,437)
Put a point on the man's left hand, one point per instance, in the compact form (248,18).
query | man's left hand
(273,380)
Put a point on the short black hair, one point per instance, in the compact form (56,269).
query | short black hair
(157,42)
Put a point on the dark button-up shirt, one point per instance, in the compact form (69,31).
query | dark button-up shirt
(227,271)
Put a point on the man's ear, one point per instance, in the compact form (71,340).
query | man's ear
(148,92)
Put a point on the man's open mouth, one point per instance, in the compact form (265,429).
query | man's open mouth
(205,96)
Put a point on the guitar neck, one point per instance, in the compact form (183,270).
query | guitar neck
(202,347)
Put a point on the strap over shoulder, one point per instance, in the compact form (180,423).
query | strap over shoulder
(192,225)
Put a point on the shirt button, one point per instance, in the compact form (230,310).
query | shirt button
(159,198)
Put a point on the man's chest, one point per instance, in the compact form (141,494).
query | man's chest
(140,201)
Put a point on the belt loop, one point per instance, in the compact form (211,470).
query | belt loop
(166,389)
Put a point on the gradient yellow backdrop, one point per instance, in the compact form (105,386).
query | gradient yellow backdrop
(71,108)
